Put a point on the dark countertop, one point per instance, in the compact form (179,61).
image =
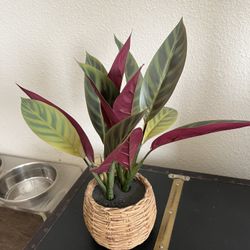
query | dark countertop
(214,214)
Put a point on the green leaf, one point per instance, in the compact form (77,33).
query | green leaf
(130,69)
(52,126)
(102,82)
(161,122)
(95,69)
(164,71)
(94,62)
(94,110)
(119,132)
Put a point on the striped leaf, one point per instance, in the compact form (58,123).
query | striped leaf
(94,110)
(160,123)
(123,154)
(123,104)
(84,139)
(52,126)
(102,82)
(107,112)
(164,71)
(118,67)
(119,132)
(93,102)
(197,129)
(94,62)
(130,69)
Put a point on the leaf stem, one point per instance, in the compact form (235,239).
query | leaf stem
(100,183)
(97,177)
(120,173)
(146,155)
(89,164)
(110,182)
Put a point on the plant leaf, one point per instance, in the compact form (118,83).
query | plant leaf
(197,129)
(160,123)
(164,71)
(102,82)
(52,126)
(131,68)
(119,132)
(134,141)
(84,139)
(117,70)
(124,153)
(93,102)
(94,62)
(107,112)
(123,104)
(128,150)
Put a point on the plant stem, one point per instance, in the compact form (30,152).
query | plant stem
(120,174)
(132,173)
(100,183)
(146,155)
(126,186)
(110,182)
(89,164)
(97,177)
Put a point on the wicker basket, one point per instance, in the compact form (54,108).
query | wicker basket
(120,228)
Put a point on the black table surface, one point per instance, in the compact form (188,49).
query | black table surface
(213,214)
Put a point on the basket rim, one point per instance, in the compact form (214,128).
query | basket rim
(92,184)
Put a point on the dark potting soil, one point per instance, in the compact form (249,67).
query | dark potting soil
(121,199)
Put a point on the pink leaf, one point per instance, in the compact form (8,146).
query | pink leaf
(117,70)
(197,129)
(124,102)
(84,139)
(107,112)
(124,153)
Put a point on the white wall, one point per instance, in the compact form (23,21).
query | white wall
(40,39)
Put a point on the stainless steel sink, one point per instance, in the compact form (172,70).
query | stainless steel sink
(32,186)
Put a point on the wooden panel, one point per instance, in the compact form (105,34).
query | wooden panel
(17,228)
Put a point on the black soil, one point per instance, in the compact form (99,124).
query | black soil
(121,199)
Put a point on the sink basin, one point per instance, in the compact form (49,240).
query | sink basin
(27,183)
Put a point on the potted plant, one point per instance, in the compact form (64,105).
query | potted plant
(119,204)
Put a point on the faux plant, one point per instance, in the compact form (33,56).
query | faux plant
(116,112)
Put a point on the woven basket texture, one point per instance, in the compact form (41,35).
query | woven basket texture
(120,228)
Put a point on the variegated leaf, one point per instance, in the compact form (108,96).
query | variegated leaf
(94,62)
(130,69)
(94,110)
(197,129)
(119,132)
(124,153)
(107,112)
(52,126)
(93,102)
(164,71)
(160,123)
(102,82)
(84,138)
